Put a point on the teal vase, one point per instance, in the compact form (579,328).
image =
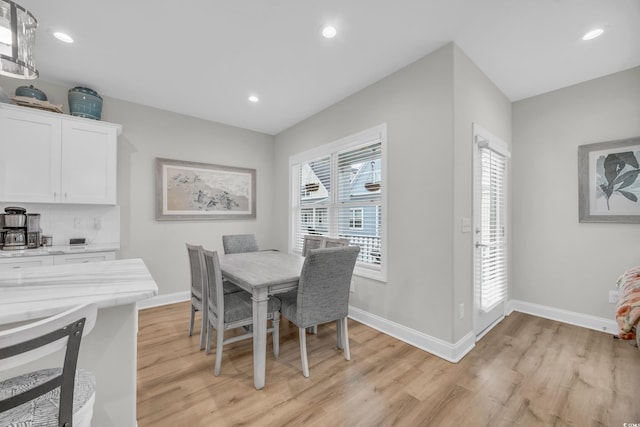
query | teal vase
(85,102)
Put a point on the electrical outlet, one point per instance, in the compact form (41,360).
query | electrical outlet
(77,222)
(97,223)
(613,297)
(461,314)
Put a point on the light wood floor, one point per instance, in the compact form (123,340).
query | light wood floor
(527,371)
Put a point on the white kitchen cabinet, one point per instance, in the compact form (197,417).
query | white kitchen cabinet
(53,158)
(84,257)
(25,261)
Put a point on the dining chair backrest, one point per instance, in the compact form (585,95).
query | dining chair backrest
(311,241)
(323,289)
(27,343)
(213,277)
(330,242)
(197,272)
(239,243)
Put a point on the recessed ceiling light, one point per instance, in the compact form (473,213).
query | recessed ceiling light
(254,98)
(593,34)
(63,37)
(329,32)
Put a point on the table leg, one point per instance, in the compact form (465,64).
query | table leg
(260,300)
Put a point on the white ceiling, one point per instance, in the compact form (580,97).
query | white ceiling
(203,58)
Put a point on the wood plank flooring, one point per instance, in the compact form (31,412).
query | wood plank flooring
(527,371)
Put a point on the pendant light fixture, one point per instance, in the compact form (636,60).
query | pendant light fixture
(17,41)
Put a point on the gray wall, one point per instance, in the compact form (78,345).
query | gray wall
(557,261)
(476,100)
(149,133)
(428,107)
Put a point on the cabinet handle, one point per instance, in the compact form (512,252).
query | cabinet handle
(55,195)
(16,266)
(65,195)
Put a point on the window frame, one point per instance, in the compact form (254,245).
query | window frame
(333,149)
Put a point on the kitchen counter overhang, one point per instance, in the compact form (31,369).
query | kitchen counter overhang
(110,349)
(33,293)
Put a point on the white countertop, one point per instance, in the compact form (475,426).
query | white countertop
(60,250)
(36,292)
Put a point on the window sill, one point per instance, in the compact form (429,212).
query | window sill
(369,273)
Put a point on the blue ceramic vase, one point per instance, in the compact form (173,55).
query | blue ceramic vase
(31,92)
(85,102)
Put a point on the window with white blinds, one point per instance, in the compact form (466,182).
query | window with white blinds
(338,191)
(491,239)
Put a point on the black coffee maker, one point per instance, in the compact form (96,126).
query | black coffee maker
(20,229)
(15,229)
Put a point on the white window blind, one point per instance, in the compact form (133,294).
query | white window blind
(339,193)
(491,239)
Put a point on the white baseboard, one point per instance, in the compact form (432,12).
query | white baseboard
(571,317)
(445,350)
(164,299)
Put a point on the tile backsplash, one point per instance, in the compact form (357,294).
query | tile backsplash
(96,223)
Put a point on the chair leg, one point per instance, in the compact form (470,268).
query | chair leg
(191,320)
(303,351)
(219,345)
(209,333)
(276,334)
(203,335)
(339,334)
(203,327)
(345,339)
(313,330)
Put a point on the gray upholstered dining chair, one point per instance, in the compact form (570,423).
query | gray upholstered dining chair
(239,243)
(198,291)
(316,242)
(322,295)
(229,311)
(53,396)
(311,241)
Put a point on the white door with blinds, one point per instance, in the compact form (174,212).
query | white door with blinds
(491,157)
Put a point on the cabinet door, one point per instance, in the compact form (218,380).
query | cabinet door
(24,262)
(84,258)
(29,157)
(88,163)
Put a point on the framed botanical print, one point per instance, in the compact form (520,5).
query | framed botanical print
(609,186)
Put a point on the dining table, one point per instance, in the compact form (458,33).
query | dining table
(262,273)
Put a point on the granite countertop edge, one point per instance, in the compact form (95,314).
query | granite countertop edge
(59,250)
